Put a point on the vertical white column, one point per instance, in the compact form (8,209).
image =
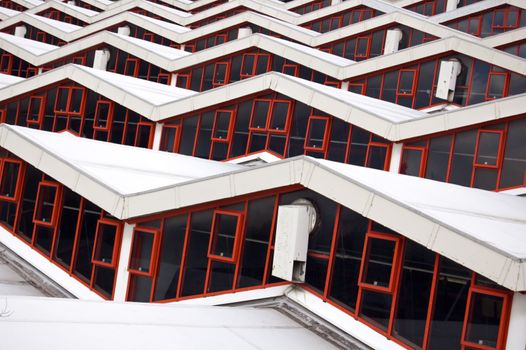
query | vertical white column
(21,31)
(122,269)
(173,79)
(396,157)
(517,328)
(335,2)
(451,5)
(157,136)
(345,85)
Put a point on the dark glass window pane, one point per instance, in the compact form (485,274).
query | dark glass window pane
(67,229)
(220,73)
(496,85)
(376,308)
(248,64)
(259,117)
(514,164)
(462,161)
(196,255)
(450,305)
(438,158)
(104,278)
(376,157)
(379,255)
(9,179)
(262,65)
(222,124)
(105,243)
(46,202)
(349,247)
(488,148)
(485,179)
(142,251)
(62,99)
(413,299)
(221,276)
(411,162)
(405,83)
(484,320)
(170,257)
(280,111)
(316,273)
(225,229)
(76,100)
(44,238)
(88,228)
(140,288)
(316,136)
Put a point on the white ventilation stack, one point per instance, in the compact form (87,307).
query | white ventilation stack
(71,3)
(21,31)
(336,2)
(447,79)
(392,40)
(295,223)
(101,59)
(125,30)
(451,5)
(244,32)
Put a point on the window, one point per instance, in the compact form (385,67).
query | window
(377,155)
(221,73)
(103,115)
(381,256)
(164,78)
(148,37)
(41,36)
(107,243)
(79,60)
(485,318)
(31,72)
(47,204)
(497,85)
(144,134)
(413,161)
(269,115)
(406,85)
(291,69)
(507,18)
(488,148)
(254,64)
(183,80)
(474,25)
(69,100)
(10,179)
(170,138)
(226,235)
(131,67)
(6,63)
(35,110)
(317,134)
(357,88)
(144,251)
(362,47)
(223,124)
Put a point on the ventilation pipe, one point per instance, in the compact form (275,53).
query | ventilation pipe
(101,59)
(21,31)
(294,225)
(72,3)
(392,40)
(335,2)
(125,30)
(244,32)
(447,79)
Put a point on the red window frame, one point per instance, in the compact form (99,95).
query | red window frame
(152,266)
(294,67)
(373,144)
(423,158)
(68,110)
(491,74)
(367,50)
(270,114)
(162,76)
(263,128)
(360,85)
(40,114)
(9,66)
(395,266)
(237,240)
(325,142)
(500,149)
(338,21)
(135,61)
(504,316)
(41,36)
(227,74)
(56,201)
(187,77)
(18,186)
(253,70)
(505,12)
(479,25)
(414,72)
(116,244)
(31,72)
(79,60)
(148,37)
(177,138)
(109,117)
(230,130)
(143,124)
(220,36)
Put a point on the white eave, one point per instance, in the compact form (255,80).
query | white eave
(482,230)
(159,102)
(474,8)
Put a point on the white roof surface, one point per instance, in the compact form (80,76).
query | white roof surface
(6,79)
(62,26)
(483,230)
(8,12)
(32,46)
(163,50)
(167,25)
(60,324)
